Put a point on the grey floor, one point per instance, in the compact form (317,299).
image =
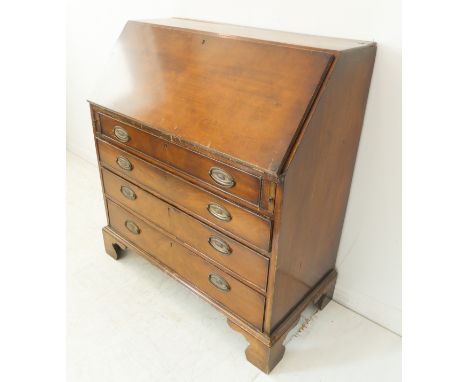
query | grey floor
(128,321)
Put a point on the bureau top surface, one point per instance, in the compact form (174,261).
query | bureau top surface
(243,98)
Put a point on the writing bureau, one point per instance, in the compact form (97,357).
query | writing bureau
(226,156)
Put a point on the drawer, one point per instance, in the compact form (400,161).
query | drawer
(246,263)
(214,210)
(225,178)
(218,285)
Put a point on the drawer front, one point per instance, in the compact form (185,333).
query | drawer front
(243,261)
(218,285)
(214,210)
(225,178)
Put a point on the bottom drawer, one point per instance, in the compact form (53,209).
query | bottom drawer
(218,285)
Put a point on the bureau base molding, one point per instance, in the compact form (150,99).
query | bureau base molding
(264,351)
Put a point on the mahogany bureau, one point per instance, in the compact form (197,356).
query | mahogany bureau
(226,156)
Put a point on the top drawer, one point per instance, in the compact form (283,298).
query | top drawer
(225,178)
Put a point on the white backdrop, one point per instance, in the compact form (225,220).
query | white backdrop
(369,259)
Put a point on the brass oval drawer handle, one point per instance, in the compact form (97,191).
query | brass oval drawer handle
(128,192)
(219,282)
(219,212)
(121,134)
(220,245)
(124,163)
(222,177)
(132,227)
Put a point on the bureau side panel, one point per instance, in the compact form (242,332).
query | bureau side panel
(317,181)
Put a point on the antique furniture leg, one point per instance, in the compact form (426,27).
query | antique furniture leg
(113,246)
(264,353)
(326,297)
